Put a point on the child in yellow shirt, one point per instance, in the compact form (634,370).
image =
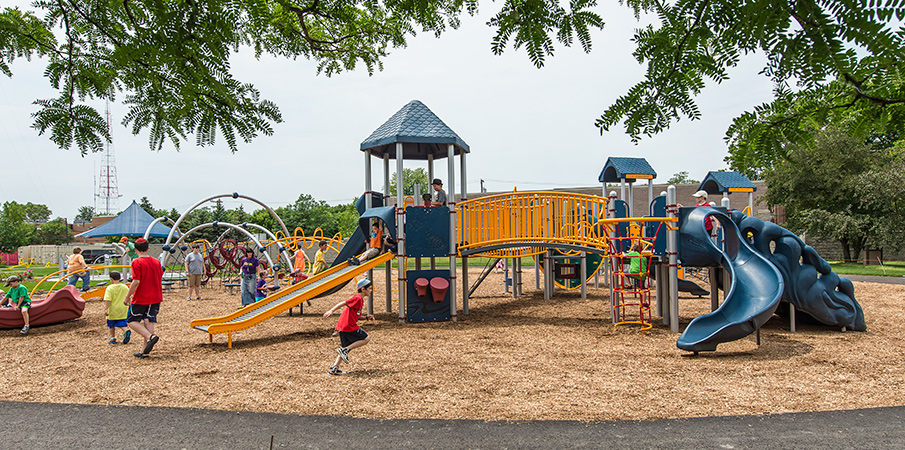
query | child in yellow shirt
(117,309)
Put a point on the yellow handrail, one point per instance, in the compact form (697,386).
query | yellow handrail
(46,277)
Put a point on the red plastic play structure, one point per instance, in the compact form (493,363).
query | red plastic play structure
(60,306)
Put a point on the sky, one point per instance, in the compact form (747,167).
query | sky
(527,128)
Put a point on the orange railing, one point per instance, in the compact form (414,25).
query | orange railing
(519,219)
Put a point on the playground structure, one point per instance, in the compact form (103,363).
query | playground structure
(571,237)
(60,306)
(563,232)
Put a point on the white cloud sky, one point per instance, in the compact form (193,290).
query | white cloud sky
(527,127)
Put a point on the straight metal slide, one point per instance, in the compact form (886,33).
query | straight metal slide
(286,298)
(756,288)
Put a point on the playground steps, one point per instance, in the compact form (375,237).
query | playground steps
(285,299)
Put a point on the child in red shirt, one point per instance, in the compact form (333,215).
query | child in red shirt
(350,334)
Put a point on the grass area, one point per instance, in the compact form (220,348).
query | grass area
(887,269)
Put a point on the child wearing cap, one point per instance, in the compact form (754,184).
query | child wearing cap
(117,310)
(350,334)
(145,294)
(18,297)
(439,193)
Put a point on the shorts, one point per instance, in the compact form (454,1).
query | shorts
(137,313)
(348,337)
(370,253)
(118,323)
(257,299)
(25,306)
(194,280)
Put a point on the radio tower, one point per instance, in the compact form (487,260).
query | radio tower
(107,187)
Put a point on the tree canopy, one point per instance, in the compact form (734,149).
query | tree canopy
(410,177)
(841,188)
(169,61)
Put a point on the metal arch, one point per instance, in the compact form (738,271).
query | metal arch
(233,195)
(284,253)
(158,220)
(223,224)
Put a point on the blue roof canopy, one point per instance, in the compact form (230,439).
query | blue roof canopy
(719,182)
(420,132)
(131,222)
(617,168)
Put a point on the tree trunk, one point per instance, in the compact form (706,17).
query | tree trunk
(857,246)
(846,254)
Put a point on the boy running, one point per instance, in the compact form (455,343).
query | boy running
(350,334)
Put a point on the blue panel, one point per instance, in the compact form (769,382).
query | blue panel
(426,231)
(621,208)
(657,230)
(424,309)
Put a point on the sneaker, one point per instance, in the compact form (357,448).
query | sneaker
(335,371)
(150,345)
(111,340)
(354,261)
(189,299)
(140,355)
(25,329)
(197,298)
(126,336)
(344,354)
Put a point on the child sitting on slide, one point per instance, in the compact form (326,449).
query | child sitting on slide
(375,247)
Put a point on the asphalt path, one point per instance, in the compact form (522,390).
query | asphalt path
(875,279)
(66,426)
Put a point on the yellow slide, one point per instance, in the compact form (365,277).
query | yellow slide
(285,299)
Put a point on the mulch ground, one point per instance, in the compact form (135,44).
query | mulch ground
(509,359)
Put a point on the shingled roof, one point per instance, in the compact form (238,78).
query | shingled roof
(719,182)
(419,130)
(617,168)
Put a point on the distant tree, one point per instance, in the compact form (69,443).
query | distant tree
(148,207)
(681,178)
(880,191)
(346,217)
(219,212)
(309,214)
(818,186)
(238,215)
(54,232)
(263,218)
(14,232)
(85,213)
(35,212)
(409,178)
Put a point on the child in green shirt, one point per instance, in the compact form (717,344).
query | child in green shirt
(637,268)
(18,297)
(117,310)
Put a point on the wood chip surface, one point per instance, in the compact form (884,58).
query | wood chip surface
(509,359)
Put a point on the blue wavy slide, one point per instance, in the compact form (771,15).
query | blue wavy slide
(753,296)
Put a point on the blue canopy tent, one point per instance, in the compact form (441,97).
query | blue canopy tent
(133,221)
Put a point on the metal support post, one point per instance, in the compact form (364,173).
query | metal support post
(369,205)
(584,275)
(672,248)
(451,159)
(400,234)
(537,272)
